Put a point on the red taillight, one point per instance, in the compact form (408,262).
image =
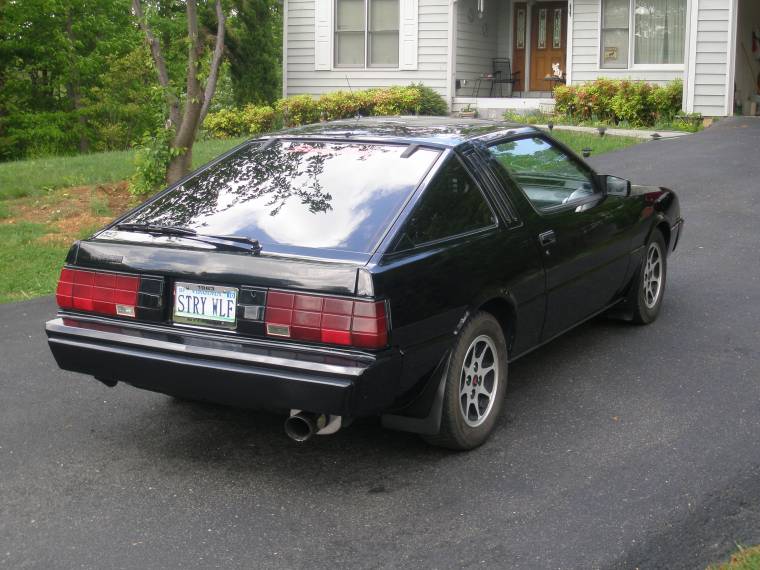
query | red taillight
(331,320)
(98,292)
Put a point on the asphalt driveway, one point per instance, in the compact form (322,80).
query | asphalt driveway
(621,446)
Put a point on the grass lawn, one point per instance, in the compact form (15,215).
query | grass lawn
(745,559)
(32,177)
(598,145)
(46,204)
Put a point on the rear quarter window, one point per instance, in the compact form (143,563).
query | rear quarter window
(451,205)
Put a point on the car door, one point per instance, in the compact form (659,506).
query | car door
(581,233)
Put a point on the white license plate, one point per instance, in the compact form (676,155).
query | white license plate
(200,304)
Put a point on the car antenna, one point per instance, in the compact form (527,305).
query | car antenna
(358,115)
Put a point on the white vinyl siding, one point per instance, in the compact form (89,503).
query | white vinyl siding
(305,75)
(711,48)
(475,51)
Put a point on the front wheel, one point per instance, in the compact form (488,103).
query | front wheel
(647,293)
(475,384)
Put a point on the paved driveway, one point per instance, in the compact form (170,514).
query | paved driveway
(620,447)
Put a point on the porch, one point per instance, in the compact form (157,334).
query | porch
(510,54)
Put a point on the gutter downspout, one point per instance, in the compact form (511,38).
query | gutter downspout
(451,61)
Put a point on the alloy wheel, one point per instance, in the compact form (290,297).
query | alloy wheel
(652,275)
(479,381)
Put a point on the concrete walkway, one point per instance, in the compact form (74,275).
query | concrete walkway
(633,133)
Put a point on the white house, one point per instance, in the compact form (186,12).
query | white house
(454,46)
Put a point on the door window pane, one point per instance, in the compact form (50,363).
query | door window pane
(542,28)
(383,32)
(660,31)
(521,28)
(452,205)
(557,29)
(615,33)
(548,177)
(349,33)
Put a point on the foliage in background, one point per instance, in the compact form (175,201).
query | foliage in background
(254,48)
(152,158)
(53,53)
(614,102)
(248,121)
(77,76)
(304,109)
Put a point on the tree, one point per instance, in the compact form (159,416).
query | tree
(255,50)
(185,114)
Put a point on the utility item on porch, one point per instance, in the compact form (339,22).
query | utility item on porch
(501,75)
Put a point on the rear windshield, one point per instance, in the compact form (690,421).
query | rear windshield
(329,195)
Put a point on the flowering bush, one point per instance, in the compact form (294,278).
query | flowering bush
(636,103)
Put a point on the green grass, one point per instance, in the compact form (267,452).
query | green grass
(598,145)
(28,268)
(30,177)
(744,559)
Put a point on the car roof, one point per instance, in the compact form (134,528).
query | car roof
(435,131)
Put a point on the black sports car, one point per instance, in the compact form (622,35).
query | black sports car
(390,266)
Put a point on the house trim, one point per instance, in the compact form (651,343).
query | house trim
(451,61)
(570,36)
(691,74)
(285,49)
(733,19)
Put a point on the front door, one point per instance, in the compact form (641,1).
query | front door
(548,43)
(519,39)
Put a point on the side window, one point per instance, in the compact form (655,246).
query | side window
(548,177)
(451,205)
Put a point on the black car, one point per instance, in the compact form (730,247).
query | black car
(389,266)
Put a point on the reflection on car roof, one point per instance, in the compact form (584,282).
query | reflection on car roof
(439,131)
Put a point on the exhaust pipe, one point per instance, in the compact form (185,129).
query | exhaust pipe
(300,426)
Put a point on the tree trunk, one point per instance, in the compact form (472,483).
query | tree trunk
(179,166)
(197,99)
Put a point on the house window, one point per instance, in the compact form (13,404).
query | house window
(366,33)
(653,30)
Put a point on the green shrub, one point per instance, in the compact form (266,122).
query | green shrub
(250,120)
(431,103)
(151,161)
(409,100)
(298,110)
(635,103)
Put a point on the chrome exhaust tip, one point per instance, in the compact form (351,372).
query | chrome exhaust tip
(301,426)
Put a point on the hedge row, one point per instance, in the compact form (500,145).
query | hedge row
(635,103)
(304,109)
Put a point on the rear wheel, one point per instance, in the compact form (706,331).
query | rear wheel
(646,296)
(476,382)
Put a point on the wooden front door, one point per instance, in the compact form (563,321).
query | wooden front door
(548,43)
(519,38)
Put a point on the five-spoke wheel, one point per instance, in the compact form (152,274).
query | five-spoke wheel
(479,381)
(474,384)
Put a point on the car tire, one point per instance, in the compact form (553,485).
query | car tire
(473,401)
(646,295)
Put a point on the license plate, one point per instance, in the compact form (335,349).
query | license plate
(209,305)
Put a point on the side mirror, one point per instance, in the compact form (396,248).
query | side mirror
(614,186)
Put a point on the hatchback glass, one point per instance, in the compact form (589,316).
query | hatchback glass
(315,194)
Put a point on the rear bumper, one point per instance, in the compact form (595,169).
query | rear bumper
(209,366)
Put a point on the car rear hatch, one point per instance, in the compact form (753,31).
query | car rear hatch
(270,241)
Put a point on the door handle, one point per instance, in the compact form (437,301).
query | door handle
(547,238)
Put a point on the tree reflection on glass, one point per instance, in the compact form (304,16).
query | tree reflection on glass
(304,193)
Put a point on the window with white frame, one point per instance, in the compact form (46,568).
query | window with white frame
(642,32)
(366,33)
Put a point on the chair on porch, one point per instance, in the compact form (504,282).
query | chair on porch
(503,75)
